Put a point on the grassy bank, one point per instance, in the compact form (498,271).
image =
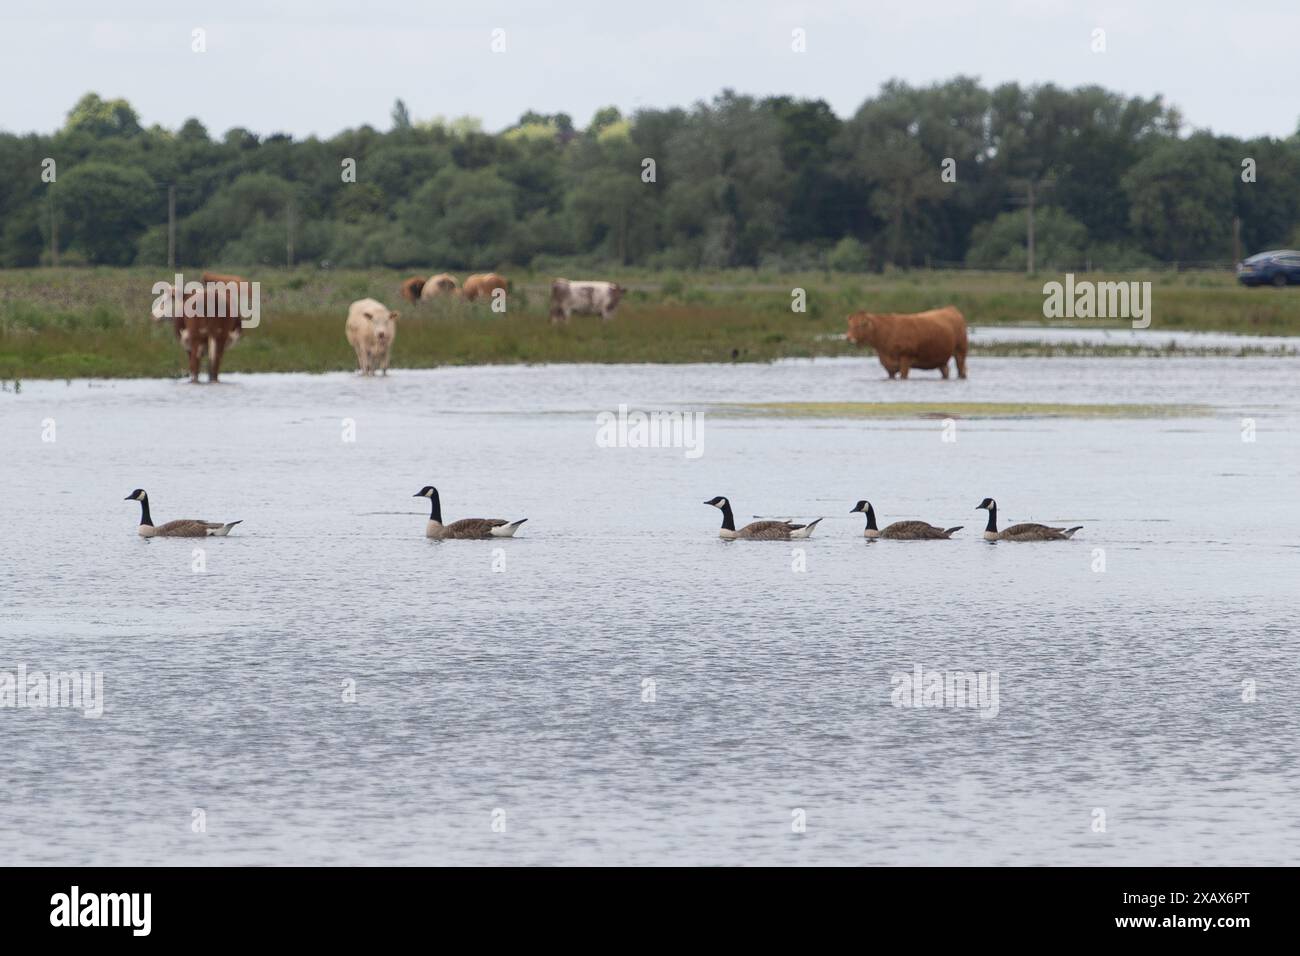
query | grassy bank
(70,323)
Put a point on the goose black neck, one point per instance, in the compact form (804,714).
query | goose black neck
(871,519)
(144,512)
(993,519)
(435,507)
(728,522)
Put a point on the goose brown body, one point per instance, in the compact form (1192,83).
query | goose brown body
(916,531)
(769,530)
(468,528)
(187,528)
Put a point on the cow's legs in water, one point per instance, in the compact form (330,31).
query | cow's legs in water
(216,348)
(196,348)
(943,369)
(904,366)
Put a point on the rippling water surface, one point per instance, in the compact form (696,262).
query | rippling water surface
(507,681)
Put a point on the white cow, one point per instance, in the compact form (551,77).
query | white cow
(371,329)
(589,297)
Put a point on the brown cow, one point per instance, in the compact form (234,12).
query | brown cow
(483,285)
(904,341)
(412,288)
(209,316)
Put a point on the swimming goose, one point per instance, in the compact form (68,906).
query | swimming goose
(902,530)
(465,527)
(1020,532)
(759,530)
(181,528)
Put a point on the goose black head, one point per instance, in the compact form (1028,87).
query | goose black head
(718,502)
(137,495)
(862,505)
(987,504)
(428,491)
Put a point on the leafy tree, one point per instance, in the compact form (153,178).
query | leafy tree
(462,217)
(401,118)
(1181,200)
(105,208)
(102,118)
(1059,241)
(738,181)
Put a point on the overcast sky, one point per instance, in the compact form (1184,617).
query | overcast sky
(319,66)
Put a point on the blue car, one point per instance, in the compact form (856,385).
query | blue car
(1280,267)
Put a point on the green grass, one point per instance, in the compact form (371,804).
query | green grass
(65,323)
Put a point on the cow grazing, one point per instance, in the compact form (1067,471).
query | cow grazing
(371,329)
(441,284)
(589,297)
(210,317)
(412,289)
(904,341)
(482,286)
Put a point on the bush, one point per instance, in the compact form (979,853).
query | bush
(849,255)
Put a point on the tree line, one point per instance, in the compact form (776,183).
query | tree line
(938,175)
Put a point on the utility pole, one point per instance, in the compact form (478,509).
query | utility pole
(171,228)
(1030,202)
(54,233)
(288,244)
(1236,240)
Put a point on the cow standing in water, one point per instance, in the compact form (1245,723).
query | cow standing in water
(207,318)
(904,341)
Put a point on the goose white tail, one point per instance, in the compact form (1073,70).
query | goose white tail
(948,532)
(507,530)
(806,531)
(224,529)
(1069,533)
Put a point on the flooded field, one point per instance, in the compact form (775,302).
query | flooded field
(616,684)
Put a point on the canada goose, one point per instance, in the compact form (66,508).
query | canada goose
(465,527)
(181,528)
(902,530)
(1020,532)
(759,530)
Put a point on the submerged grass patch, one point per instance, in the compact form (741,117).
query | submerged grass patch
(955,410)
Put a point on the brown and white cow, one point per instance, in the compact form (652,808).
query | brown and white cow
(209,317)
(593,298)
(483,286)
(441,284)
